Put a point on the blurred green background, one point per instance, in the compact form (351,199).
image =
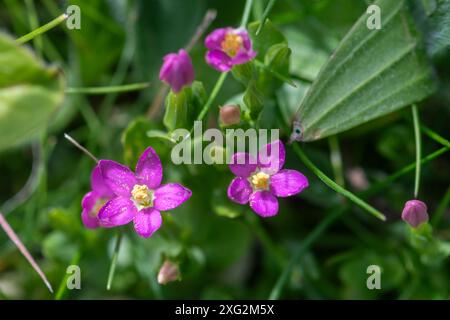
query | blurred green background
(220,257)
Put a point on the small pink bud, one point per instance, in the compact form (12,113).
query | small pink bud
(177,70)
(415,213)
(230,115)
(168,272)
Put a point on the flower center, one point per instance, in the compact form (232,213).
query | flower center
(98,205)
(142,196)
(232,44)
(260,181)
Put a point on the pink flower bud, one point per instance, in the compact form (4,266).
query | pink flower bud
(415,213)
(168,272)
(230,115)
(177,70)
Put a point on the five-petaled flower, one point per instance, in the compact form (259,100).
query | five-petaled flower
(139,197)
(260,180)
(228,47)
(177,70)
(95,199)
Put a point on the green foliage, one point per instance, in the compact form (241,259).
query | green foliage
(371,73)
(30,93)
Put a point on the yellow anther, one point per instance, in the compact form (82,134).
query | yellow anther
(142,195)
(260,180)
(232,44)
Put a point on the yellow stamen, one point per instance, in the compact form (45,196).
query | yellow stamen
(232,44)
(142,195)
(260,180)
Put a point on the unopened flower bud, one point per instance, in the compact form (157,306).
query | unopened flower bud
(177,70)
(415,213)
(230,115)
(168,272)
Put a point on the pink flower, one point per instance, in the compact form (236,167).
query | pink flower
(260,181)
(415,213)
(139,196)
(228,47)
(95,199)
(177,70)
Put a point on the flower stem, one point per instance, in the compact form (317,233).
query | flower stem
(246,13)
(336,160)
(79,146)
(418,140)
(265,15)
(112,267)
(109,89)
(42,29)
(16,240)
(333,185)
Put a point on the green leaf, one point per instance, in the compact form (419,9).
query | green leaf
(371,73)
(268,36)
(438,31)
(30,92)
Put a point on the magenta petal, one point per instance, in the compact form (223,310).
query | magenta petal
(170,196)
(219,60)
(264,203)
(214,40)
(243,57)
(117,212)
(271,157)
(98,184)
(88,217)
(147,221)
(149,169)
(119,178)
(239,190)
(243,164)
(286,183)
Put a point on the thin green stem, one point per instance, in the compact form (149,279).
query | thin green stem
(265,15)
(42,29)
(63,284)
(333,185)
(443,205)
(418,140)
(436,137)
(307,242)
(246,13)
(112,268)
(109,89)
(34,24)
(336,160)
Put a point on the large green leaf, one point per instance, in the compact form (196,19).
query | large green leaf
(371,73)
(30,92)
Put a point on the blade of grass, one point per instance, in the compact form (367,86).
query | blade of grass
(34,24)
(246,13)
(109,89)
(112,267)
(333,185)
(418,141)
(16,240)
(265,15)
(46,27)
